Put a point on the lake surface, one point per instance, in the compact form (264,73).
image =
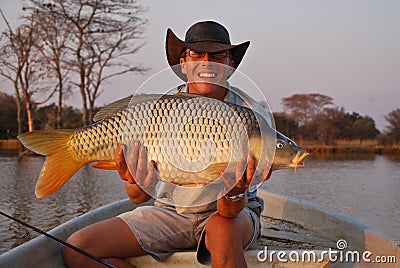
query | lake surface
(365,188)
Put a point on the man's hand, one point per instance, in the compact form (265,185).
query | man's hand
(244,178)
(140,177)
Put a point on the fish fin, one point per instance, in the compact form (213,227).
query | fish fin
(112,108)
(255,147)
(121,104)
(217,169)
(156,97)
(60,164)
(188,95)
(106,165)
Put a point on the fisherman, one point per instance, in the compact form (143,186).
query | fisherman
(221,230)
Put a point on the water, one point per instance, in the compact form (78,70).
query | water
(87,190)
(367,189)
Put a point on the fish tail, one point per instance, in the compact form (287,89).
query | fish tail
(60,164)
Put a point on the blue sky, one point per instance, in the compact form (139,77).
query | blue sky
(346,49)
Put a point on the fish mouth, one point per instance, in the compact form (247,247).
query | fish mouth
(298,160)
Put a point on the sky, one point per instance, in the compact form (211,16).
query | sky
(345,49)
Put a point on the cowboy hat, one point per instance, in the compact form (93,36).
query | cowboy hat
(205,36)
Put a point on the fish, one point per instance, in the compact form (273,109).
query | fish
(193,139)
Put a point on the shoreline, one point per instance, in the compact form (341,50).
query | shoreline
(340,149)
(13,144)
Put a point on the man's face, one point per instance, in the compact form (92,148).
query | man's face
(206,72)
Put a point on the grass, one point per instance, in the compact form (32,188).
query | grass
(353,147)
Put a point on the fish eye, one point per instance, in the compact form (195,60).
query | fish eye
(279,145)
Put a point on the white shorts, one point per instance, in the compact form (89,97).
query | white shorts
(161,231)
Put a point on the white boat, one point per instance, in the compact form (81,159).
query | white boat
(295,233)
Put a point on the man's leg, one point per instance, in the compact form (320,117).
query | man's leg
(110,240)
(226,237)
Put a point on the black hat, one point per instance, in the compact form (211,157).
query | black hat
(205,36)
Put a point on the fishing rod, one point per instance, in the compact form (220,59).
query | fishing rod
(58,240)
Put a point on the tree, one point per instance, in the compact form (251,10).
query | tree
(8,112)
(52,40)
(104,34)
(304,107)
(46,117)
(364,128)
(19,64)
(286,125)
(393,118)
(326,127)
(72,117)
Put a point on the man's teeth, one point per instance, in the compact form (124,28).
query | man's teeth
(207,75)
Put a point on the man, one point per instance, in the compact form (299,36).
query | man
(220,230)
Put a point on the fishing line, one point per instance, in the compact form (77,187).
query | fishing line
(58,240)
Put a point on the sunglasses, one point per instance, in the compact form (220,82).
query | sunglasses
(216,55)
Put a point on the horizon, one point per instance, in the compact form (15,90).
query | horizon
(345,50)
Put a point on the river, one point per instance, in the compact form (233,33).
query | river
(366,188)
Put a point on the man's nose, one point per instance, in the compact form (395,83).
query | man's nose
(206,56)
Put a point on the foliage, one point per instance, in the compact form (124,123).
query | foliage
(286,125)
(393,118)
(45,117)
(364,128)
(8,112)
(304,107)
(320,124)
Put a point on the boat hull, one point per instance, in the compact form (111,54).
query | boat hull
(289,225)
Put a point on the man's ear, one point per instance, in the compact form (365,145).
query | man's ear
(182,62)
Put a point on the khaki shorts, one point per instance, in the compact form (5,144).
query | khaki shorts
(161,231)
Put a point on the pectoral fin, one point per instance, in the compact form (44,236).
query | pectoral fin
(217,169)
(106,165)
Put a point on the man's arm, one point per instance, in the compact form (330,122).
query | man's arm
(145,176)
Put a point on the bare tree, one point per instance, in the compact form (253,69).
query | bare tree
(304,107)
(51,42)
(105,34)
(19,64)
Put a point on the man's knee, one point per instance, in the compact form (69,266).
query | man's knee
(236,230)
(220,225)
(220,230)
(77,240)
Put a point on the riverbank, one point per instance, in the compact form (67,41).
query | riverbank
(10,144)
(340,149)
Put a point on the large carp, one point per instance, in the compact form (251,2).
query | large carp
(192,138)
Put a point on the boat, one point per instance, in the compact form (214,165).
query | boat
(295,233)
